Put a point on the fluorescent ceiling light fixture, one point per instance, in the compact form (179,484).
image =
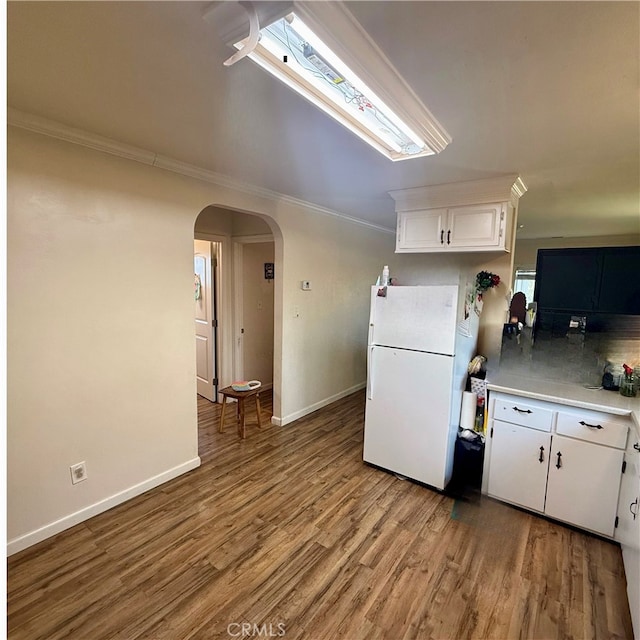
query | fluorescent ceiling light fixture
(294,54)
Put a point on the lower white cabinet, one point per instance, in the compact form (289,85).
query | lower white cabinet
(558,460)
(628,530)
(583,485)
(519,464)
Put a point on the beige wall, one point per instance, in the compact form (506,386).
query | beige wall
(327,340)
(101,355)
(214,221)
(100,339)
(247,225)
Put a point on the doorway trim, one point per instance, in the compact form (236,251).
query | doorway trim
(224,307)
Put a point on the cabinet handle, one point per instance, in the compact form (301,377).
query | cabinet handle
(449,236)
(441,236)
(636,446)
(522,410)
(541,458)
(559,461)
(591,426)
(633,513)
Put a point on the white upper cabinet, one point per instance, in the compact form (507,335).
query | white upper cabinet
(472,228)
(478,226)
(418,230)
(461,217)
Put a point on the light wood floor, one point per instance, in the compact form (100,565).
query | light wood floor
(290,531)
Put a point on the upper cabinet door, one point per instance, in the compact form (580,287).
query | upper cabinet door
(620,284)
(567,279)
(419,230)
(475,226)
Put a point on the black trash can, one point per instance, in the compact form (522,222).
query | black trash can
(468,459)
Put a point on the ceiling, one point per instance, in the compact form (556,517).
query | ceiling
(548,90)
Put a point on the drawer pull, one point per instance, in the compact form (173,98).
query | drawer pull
(522,410)
(559,461)
(591,426)
(633,513)
(541,458)
(636,446)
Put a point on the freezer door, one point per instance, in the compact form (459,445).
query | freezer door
(418,318)
(407,413)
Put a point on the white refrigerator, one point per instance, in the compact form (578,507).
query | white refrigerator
(420,344)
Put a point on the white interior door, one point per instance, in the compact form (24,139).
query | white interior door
(203,260)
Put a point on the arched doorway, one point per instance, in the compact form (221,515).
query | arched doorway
(245,302)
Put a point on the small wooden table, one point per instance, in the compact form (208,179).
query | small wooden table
(240,396)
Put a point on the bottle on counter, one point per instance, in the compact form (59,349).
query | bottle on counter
(383,282)
(628,385)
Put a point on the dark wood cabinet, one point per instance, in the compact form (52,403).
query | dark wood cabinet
(620,283)
(579,281)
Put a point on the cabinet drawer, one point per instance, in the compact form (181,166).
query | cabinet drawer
(528,415)
(602,428)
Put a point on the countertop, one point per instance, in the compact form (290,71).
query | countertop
(566,393)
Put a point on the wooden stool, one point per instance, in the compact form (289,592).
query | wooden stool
(240,396)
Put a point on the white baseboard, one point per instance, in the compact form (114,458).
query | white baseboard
(281,422)
(51,529)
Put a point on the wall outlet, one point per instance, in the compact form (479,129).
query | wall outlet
(306,285)
(78,472)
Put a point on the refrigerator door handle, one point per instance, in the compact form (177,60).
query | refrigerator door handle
(370,375)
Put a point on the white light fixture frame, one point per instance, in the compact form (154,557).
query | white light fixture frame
(369,69)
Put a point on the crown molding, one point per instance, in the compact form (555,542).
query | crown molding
(53,129)
(508,188)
